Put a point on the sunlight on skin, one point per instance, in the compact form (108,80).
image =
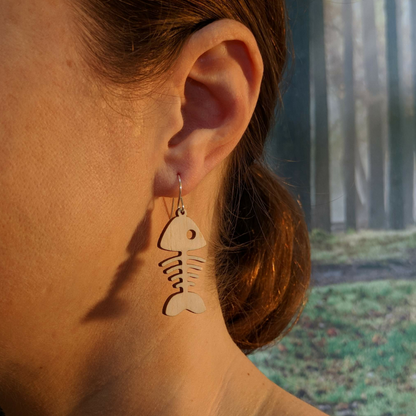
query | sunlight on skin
(76,179)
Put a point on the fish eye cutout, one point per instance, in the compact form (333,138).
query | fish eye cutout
(191,234)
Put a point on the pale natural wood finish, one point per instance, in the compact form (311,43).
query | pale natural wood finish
(175,238)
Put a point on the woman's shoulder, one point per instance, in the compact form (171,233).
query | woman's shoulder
(281,403)
(249,392)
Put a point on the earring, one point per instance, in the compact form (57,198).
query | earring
(182,234)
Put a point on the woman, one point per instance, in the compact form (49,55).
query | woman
(110,110)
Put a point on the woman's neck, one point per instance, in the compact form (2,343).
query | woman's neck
(192,367)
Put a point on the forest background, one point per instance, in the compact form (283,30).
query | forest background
(344,143)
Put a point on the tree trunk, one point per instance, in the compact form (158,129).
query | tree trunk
(349,126)
(410,133)
(407,128)
(361,185)
(292,133)
(322,209)
(377,215)
(408,170)
(413,43)
(396,140)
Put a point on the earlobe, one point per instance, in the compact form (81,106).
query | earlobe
(219,73)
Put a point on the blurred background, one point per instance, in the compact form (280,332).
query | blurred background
(344,143)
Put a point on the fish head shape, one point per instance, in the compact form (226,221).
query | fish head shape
(182,234)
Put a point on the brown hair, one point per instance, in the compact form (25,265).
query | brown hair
(261,249)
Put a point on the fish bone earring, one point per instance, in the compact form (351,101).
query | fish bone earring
(182,234)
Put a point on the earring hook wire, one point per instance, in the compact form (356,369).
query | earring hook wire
(179,199)
(180,195)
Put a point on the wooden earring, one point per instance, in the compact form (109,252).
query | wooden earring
(182,234)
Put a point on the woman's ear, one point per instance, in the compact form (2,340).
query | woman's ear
(218,76)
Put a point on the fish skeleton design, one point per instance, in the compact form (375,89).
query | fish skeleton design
(175,238)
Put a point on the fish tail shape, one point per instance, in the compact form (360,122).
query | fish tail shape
(185,300)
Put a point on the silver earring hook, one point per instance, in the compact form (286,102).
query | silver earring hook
(180,195)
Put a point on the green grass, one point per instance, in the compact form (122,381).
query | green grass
(354,347)
(364,245)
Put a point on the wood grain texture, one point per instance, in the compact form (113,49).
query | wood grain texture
(182,234)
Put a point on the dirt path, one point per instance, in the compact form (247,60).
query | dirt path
(326,274)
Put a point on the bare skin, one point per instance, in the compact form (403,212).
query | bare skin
(86,182)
